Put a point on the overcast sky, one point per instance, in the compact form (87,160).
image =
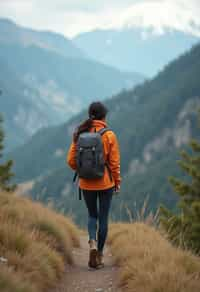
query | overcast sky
(71,17)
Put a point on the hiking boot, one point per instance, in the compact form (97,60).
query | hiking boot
(100,261)
(93,254)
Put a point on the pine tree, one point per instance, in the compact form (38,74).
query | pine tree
(184,228)
(5,168)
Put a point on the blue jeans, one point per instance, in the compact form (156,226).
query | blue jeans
(98,215)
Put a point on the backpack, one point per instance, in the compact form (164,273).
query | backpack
(90,155)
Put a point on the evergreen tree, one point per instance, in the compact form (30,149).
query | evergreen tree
(184,228)
(5,168)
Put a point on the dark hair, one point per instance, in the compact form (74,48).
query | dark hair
(96,111)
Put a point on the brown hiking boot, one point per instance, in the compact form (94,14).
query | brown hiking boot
(93,254)
(100,261)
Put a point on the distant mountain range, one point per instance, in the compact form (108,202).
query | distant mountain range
(136,49)
(153,122)
(45,79)
(11,33)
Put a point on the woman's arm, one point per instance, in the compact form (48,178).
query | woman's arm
(114,159)
(71,156)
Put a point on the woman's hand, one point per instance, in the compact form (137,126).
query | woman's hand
(117,188)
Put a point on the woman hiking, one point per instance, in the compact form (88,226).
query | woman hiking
(99,175)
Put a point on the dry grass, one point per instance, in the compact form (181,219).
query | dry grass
(36,242)
(149,263)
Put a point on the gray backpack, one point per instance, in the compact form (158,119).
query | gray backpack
(90,155)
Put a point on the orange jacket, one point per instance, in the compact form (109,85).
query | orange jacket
(111,151)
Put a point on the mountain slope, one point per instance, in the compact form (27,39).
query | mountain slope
(153,122)
(11,33)
(48,88)
(19,111)
(140,49)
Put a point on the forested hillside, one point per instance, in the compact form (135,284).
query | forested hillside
(153,122)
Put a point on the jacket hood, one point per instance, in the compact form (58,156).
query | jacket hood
(99,124)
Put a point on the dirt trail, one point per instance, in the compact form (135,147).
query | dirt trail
(80,278)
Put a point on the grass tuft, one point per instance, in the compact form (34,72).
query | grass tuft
(59,239)
(10,281)
(150,263)
(36,242)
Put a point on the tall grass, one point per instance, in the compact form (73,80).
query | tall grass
(142,214)
(36,242)
(149,263)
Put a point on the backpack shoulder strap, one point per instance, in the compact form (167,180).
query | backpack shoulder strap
(103,131)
